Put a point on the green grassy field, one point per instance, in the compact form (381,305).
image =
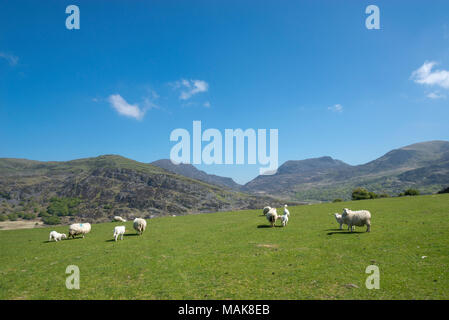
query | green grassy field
(234,255)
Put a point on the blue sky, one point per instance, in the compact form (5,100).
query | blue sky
(308,68)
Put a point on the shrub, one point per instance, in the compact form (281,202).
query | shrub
(384,195)
(444,191)
(29,216)
(43,214)
(360,194)
(51,220)
(338,200)
(3,217)
(13,217)
(411,192)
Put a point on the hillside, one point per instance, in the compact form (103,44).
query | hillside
(235,255)
(424,166)
(98,188)
(190,171)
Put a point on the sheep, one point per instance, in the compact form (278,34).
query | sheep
(57,236)
(272,216)
(357,218)
(265,210)
(340,220)
(119,219)
(286,212)
(119,231)
(139,225)
(284,219)
(79,228)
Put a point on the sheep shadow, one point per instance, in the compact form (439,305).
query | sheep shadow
(130,235)
(344,232)
(263,226)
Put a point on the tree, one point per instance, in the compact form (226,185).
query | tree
(360,194)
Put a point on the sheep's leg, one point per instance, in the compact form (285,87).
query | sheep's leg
(368,227)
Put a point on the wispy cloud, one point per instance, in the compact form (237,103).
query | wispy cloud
(336,108)
(12,59)
(426,76)
(190,88)
(126,109)
(206,104)
(436,95)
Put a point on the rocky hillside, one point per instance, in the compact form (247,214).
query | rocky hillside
(424,166)
(190,171)
(99,188)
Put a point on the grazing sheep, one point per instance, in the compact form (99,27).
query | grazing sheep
(119,231)
(57,236)
(79,228)
(357,218)
(286,212)
(272,216)
(265,210)
(117,218)
(139,225)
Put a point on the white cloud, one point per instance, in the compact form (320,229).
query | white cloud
(190,87)
(124,108)
(206,104)
(436,95)
(424,75)
(12,60)
(336,108)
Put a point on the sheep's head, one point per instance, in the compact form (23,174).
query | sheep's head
(345,212)
(285,206)
(64,236)
(336,215)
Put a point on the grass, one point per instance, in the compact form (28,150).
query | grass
(234,255)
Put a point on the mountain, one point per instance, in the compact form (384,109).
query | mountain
(111,185)
(424,166)
(190,171)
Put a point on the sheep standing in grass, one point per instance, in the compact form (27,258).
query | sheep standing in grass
(339,219)
(286,212)
(119,231)
(117,219)
(284,219)
(272,216)
(139,225)
(357,218)
(57,236)
(265,210)
(79,228)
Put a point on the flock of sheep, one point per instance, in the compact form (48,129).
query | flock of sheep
(350,218)
(75,229)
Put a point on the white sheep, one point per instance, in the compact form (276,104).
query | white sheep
(339,219)
(119,231)
(357,218)
(118,218)
(266,209)
(284,219)
(286,212)
(57,236)
(272,216)
(79,228)
(139,225)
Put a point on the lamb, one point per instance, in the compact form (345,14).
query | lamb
(119,231)
(79,228)
(284,219)
(339,219)
(272,216)
(265,210)
(57,236)
(286,212)
(357,218)
(139,225)
(117,218)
